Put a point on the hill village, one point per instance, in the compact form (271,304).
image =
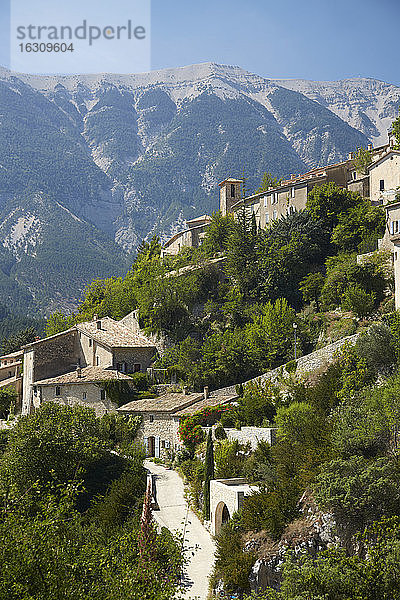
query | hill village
(80,366)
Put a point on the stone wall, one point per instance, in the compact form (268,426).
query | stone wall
(73,395)
(316,361)
(163,426)
(132,356)
(251,435)
(55,355)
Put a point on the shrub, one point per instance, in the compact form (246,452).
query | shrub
(360,302)
(219,432)
(291,366)
(141,381)
(232,564)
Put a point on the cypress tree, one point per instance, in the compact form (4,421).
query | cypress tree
(208,474)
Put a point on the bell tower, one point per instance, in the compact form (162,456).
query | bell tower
(230,192)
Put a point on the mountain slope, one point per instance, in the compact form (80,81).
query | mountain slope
(366,104)
(112,159)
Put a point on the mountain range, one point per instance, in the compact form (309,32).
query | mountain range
(92,164)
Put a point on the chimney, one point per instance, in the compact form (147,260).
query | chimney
(206,393)
(95,317)
(185,390)
(78,372)
(98,324)
(369,147)
(351,156)
(293,176)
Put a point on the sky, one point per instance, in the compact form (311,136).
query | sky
(310,39)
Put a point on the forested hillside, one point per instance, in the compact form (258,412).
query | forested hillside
(118,159)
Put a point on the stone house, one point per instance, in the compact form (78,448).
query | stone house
(84,387)
(393,235)
(161,416)
(191,237)
(290,196)
(11,374)
(384,177)
(86,353)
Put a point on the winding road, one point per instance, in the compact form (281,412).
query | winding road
(175,514)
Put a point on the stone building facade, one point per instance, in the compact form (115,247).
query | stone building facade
(191,237)
(290,196)
(252,435)
(112,347)
(84,387)
(11,374)
(226,498)
(161,417)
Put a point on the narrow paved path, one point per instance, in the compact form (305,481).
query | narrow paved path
(174,514)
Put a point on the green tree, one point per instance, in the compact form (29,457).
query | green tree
(359,491)
(21,338)
(58,322)
(311,287)
(268,181)
(8,398)
(396,130)
(362,160)
(218,233)
(326,202)
(358,300)
(359,228)
(208,474)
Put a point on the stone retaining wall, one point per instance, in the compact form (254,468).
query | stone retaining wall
(305,364)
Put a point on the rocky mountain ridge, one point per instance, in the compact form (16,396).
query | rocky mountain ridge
(130,156)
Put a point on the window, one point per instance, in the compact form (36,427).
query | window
(136,368)
(292,192)
(34,389)
(167,444)
(151,418)
(102,394)
(162,443)
(232,190)
(266,217)
(97,361)
(58,391)
(381,185)
(265,201)
(90,342)
(84,396)
(274,215)
(396,227)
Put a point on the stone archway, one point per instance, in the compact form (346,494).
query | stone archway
(221,516)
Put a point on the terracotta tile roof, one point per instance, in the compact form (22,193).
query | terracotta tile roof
(211,401)
(180,405)
(114,334)
(168,403)
(88,375)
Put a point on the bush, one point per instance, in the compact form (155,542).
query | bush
(291,366)
(264,511)
(141,381)
(360,302)
(359,491)
(378,347)
(219,432)
(232,564)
